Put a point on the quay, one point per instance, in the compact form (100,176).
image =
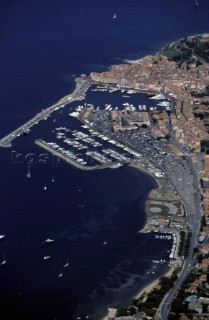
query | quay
(43,144)
(81,86)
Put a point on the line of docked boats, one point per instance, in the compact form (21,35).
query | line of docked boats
(163,237)
(169,237)
(159,261)
(163,103)
(173,249)
(128,106)
(107,88)
(82,147)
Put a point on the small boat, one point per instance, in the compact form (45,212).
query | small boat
(66,265)
(49,240)
(2,236)
(114,16)
(164,104)
(53,180)
(105,242)
(60,274)
(45,187)
(4,261)
(28,175)
(159,96)
(47,257)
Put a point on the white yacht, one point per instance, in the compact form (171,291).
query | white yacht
(164,104)
(49,240)
(60,274)
(159,96)
(2,236)
(47,257)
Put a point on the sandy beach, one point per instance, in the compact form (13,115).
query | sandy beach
(150,286)
(147,289)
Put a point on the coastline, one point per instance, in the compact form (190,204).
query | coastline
(150,286)
(111,312)
(72,97)
(134,61)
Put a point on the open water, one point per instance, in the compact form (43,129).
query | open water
(94,217)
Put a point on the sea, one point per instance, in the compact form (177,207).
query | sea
(93,216)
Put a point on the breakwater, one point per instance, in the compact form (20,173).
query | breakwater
(43,144)
(81,87)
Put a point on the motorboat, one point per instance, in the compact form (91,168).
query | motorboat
(49,240)
(66,265)
(159,96)
(47,257)
(164,104)
(60,274)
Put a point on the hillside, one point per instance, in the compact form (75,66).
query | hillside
(193,49)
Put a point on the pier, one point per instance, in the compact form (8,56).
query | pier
(81,86)
(43,144)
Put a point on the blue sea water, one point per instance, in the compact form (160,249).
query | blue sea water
(43,46)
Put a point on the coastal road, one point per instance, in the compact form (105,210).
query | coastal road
(194,223)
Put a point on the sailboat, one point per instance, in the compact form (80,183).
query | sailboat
(114,16)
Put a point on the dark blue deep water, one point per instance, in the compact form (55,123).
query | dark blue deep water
(43,46)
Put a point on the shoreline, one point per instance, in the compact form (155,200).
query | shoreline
(132,61)
(150,286)
(147,288)
(61,103)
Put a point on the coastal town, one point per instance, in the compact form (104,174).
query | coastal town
(186,135)
(168,140)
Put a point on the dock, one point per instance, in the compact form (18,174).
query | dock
(81,86)
(43,144)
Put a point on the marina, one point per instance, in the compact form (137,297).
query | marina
(82,85)
(77,162)
(81,88)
